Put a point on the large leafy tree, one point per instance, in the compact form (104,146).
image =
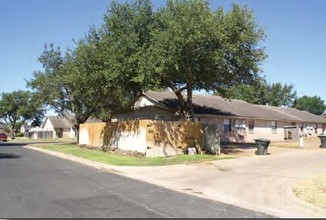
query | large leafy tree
(19,106)
(75,84)
(312,104)
(262,93)
(195,48)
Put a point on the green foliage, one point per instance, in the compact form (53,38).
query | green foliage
(262,93)
(312,104)
(194,48)
(20,134)
(280,95)
(75,84)
(126,36)
(19,106)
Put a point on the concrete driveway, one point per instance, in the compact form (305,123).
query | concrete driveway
(260,183)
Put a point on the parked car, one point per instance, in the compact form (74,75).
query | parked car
(3,137)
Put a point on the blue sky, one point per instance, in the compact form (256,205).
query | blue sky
(295,43)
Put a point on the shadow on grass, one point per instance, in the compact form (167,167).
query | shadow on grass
(235,148)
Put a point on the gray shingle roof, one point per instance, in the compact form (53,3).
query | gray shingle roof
(216,105)
(59,122)
(2,125)
(26,126)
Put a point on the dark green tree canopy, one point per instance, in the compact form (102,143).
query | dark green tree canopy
(19,106)
(263,93)
(312,104)
(195,48)
(126,39)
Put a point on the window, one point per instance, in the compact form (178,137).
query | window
(227,124)
(239,123)
(274,125)
(251,125)
(293,123)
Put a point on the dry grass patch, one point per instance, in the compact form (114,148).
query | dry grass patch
(308,143)
(312,190)
(285,144)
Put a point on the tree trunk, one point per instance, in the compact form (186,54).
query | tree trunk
(190,110)
(182,103)
(12,132)
(12,128)
(77,131)
(186,106)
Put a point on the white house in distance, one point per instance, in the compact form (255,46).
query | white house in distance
(60,127)
(25,128)
(236,120)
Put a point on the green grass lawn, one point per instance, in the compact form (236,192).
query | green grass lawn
(124,160)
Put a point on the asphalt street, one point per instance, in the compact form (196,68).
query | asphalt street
(37,185)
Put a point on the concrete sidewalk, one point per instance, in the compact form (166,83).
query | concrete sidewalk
(260,183)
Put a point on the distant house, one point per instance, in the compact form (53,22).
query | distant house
(25,128)
(60,127)
(236,120)
(2,127)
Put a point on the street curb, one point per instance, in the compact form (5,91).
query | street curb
(80,160)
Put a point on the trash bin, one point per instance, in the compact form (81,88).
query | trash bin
(322,140)
(262,146)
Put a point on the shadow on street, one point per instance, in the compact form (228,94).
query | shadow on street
(9,156)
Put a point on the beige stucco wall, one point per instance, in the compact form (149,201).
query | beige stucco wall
(48,127)
(142,102)
(22,129)
(68,133)
(262,129)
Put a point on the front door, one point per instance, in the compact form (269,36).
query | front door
(59,132)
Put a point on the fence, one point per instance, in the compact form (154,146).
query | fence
(150,137)
(40,134)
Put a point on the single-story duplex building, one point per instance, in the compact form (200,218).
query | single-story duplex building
(236,120)
(60,127)
(24,129)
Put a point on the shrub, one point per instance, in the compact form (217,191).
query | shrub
(20,134)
